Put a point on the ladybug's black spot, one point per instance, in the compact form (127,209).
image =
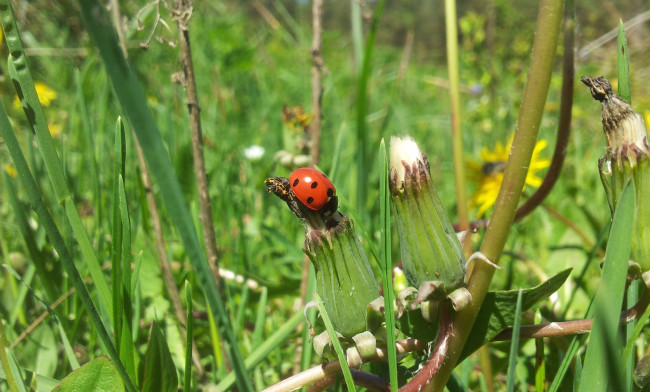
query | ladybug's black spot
(295,182)
(330,192)
(314,185)
(310,200)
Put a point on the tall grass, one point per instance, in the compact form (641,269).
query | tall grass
(78,194)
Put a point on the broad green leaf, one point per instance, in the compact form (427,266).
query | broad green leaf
(159,372)
(498,310)
(603,366)
(97,375)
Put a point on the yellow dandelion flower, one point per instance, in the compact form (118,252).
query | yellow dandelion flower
(11,170)
(488,173)
(55,129)
(45,95)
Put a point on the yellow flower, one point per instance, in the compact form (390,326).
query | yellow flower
(488,173)
(10,170)
(55,129)
(45,95)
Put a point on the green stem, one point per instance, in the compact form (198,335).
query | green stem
(456,128)
(362,111)
(530,116)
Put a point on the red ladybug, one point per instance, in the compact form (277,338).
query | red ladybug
(312,188)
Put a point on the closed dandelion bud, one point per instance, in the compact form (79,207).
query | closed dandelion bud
(429,246)
(344,279)
(627,158)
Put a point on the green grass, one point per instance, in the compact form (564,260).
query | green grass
(79,200)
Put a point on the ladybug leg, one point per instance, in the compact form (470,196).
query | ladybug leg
(331,206)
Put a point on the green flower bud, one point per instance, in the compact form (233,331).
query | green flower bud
(627,159)
(344,279)
(429,246)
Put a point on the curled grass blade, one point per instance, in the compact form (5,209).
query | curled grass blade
(134,103)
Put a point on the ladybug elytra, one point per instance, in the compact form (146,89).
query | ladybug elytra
(311,187)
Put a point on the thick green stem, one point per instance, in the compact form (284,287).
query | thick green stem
(530,116)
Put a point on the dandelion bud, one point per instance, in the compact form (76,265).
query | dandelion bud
(429,246)
(344,279)
(627,159)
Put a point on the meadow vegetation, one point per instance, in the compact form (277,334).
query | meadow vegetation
(253,68)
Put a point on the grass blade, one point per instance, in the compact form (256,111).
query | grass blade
(189,325)
(40,258)
(134,104)
(540,363)
(389,295)
(269,344)
(362,111)
(70,354)
(11,370)
(514,347)
(623,61)
(22,78)
(345,369)
(602,367)
(36,200)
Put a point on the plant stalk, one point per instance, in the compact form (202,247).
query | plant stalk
(183,11)
(546,36)
(456,127)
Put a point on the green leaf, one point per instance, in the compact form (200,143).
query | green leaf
(603,365)
(498,310)
(39,383)
(159,372)
(97,375)
(413,324)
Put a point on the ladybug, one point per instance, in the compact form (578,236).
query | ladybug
(312,188)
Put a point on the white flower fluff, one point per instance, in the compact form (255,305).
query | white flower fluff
(403,150)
